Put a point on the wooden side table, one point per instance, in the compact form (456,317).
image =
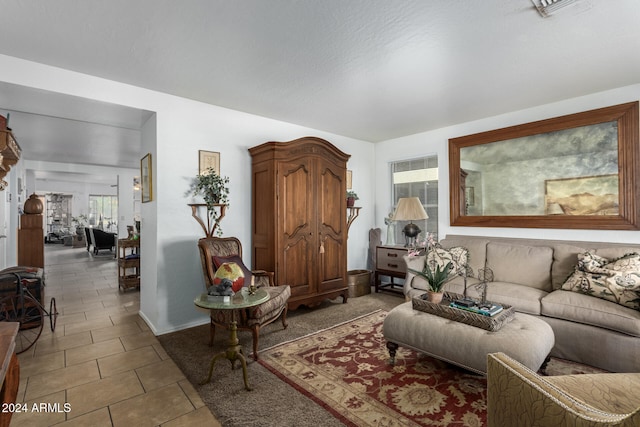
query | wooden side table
(389,262)
(128,264)
(9,368)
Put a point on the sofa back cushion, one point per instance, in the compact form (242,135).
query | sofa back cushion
(477,251)
(565,259)
(521,264)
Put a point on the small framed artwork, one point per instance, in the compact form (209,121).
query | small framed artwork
(146,179)
(349,180)
(208,159)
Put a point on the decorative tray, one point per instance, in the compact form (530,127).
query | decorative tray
(489,323)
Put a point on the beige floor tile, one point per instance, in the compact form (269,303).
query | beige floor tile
(52,344)
(191,393)
(159,374)
(71,318)
(99,418)
(37,365)
(151,409)
(198,418)
(161,351)
(102,393)
(127,361)
(93,351)
(87,325)
(48,415)
(116,331)
(54,381)
(143,339)
(81,307)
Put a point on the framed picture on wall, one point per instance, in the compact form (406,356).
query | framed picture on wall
(349,180)
(208,159)
(146,179)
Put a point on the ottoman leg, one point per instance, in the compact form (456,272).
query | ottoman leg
(392,347)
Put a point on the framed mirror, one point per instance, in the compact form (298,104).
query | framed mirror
(580,171)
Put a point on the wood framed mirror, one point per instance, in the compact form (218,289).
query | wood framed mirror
(580,171)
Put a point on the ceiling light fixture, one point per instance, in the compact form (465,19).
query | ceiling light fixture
(548,7)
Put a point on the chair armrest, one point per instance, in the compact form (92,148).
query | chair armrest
(518,396)
(263,278)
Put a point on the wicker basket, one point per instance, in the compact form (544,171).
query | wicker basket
(489,323)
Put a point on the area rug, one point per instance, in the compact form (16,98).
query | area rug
(345,369)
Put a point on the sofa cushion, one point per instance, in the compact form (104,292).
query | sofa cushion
(615,280)
(477,251)
(584,309)
(522,265)
(524,299)
(565,259)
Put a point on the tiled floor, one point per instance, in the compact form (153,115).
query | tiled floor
(102,360)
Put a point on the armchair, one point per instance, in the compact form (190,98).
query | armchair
(517,396)
(101,239)
(214,249)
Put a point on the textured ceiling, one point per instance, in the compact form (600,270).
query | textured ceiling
(369,69)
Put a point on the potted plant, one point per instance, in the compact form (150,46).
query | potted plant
(436,277)
(80,223)
(214,189)
(351,198)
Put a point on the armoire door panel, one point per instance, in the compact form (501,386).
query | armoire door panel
(331,199)
(294,270)
(294,199)
(331,267)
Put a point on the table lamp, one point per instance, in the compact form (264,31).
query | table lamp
(410,209)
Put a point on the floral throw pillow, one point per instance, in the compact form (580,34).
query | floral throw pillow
(457,256)
(613,280)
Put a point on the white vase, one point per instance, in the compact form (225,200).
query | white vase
(391,235)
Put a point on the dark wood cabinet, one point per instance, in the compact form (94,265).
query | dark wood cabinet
(299,217)
(31,240)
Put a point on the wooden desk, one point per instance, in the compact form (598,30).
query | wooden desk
(10,368)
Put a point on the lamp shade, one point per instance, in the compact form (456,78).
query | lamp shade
(409,209)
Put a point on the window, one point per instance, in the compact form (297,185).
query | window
(415,178)
(103,212)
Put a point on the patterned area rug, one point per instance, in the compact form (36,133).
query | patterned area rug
(345,369)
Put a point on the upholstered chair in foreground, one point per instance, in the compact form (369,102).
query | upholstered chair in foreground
(517,396)
(215,251)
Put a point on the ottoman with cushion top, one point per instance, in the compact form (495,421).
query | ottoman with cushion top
(526,338)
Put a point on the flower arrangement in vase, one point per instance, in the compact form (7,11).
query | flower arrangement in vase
(352,196)
(214,189)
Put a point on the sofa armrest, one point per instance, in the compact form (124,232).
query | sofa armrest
(518,396)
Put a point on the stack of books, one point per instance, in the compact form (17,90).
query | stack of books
(488,309)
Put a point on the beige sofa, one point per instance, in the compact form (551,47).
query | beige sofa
(528,274)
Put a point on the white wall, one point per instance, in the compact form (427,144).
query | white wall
(170,266)
(436,141)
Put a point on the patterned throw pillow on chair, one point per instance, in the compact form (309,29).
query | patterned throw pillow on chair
(615,280)
(231,271)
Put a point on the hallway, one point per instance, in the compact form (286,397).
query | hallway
(102,358)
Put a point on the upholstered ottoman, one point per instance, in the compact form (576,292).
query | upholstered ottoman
(526,338)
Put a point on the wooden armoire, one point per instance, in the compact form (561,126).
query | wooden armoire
(300,217)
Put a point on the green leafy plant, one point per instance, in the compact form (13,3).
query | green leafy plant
(352,194)
(436,277)
(80,220)
(212,187)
